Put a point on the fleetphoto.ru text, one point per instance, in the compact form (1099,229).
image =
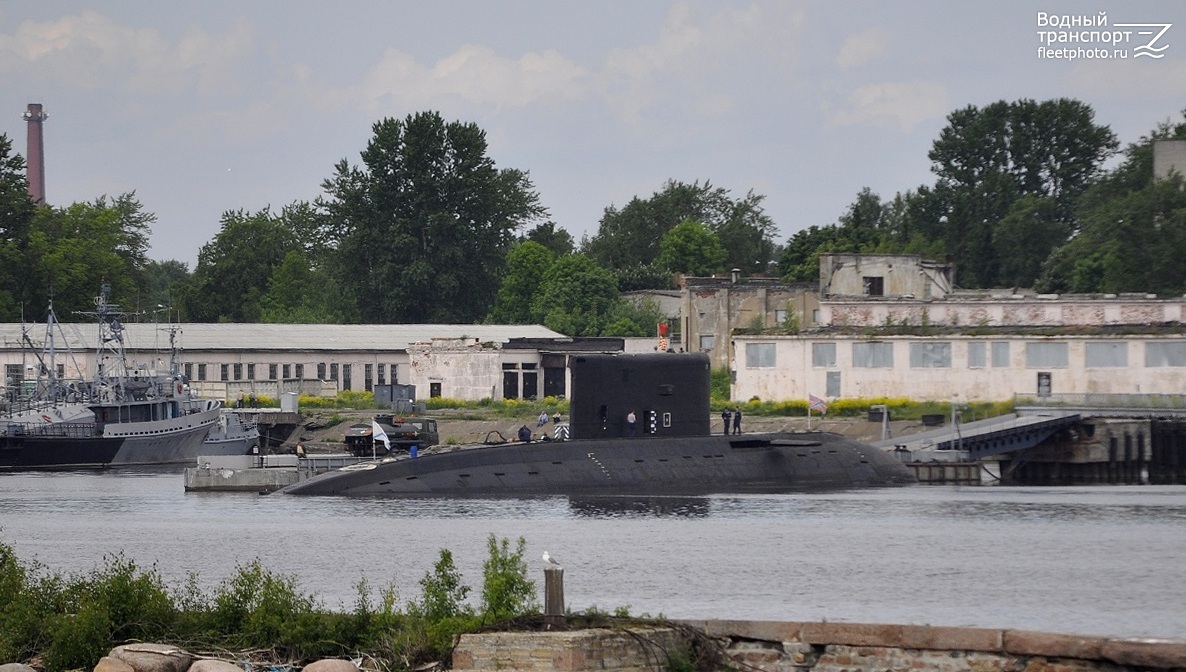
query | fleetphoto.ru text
(1071,37)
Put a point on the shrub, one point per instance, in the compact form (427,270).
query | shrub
(259,609)
(442,591)
(116,603)
(506,590)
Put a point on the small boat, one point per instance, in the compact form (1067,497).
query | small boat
(120,417)
(640,427)
(233,435)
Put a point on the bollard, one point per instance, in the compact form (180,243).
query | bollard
(553,598)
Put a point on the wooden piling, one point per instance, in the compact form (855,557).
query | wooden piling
(554,598)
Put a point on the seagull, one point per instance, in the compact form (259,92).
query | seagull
(551,560)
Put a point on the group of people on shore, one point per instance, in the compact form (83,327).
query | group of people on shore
(731,420)
(525,434)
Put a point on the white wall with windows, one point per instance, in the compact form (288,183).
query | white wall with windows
(976,368)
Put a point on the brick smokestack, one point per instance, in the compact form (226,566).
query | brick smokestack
(35,161)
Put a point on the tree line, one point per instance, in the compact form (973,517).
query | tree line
(427,229)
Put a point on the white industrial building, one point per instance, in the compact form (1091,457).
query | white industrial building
(233,360)
(892,326)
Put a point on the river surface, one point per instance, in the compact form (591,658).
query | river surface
(1093,560)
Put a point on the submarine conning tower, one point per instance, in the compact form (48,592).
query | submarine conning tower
(667,392)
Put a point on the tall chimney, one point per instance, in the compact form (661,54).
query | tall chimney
(35,161)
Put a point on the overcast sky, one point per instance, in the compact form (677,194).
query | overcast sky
(204,107)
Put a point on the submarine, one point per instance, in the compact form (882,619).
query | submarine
(668,450)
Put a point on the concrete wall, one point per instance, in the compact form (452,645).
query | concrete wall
(1003,311)
(767,646)
(465,369)
(636,650)
(907,275)
(1169,155)
(794,375)
(714,308)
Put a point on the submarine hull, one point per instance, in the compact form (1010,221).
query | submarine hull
(667,466)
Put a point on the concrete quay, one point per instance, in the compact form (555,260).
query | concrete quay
(775,646)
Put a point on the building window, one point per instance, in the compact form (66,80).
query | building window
(1170,353)
(780,317)
(250,372)
(977,355)
(13,374)
(224,372)
(1046,355)
(368,372)
(815,315)
(272,371)
(823,355)
(382,374)
(1000,354)
(1106,354)
(928,355)
(873,355)
(286,370)
(833,384)
(759,355)
(874,285)
(321,371)
(189,370)
(201,372)
(300,371)
(333,371)
(238,371)
(707,343)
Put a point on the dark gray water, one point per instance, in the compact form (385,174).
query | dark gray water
(1099,560)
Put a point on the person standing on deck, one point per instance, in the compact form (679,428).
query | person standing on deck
(726,417)
(737,420)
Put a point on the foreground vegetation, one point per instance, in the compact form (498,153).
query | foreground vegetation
(65,622)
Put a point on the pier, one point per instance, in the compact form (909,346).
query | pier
(1057,440)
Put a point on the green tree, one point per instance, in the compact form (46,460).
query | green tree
(557,240)
(690,248)
(164,282)
(1132,229)
(986,159)
(442,591)
(630,237)
(1024,238)
(633,318)
(72,250)
(234,268)
(527,263)
(16,220)
(576,297)
(649,276)
(298,294)
(426,223)
(506,590)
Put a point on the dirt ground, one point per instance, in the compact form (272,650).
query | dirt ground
(471,427)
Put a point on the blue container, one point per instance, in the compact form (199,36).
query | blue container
(413,451)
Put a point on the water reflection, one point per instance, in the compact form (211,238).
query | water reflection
(640,507)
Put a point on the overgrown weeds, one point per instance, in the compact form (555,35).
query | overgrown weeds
(69,622)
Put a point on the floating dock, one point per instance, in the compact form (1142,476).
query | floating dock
(259,473)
